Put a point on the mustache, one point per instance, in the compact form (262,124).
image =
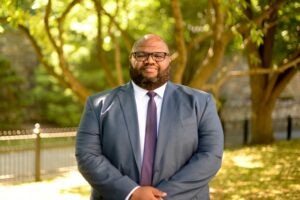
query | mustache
(145,66)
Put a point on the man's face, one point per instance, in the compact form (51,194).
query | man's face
(150,71)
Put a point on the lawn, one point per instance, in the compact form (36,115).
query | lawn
(254,172)
(259,172)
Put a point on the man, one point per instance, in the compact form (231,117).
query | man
(166,144)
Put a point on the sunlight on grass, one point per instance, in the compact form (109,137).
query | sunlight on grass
(81,190)
(247,161)
(69,186)
(259,172)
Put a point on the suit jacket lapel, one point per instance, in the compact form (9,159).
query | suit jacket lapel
(128,105)
(167,115)
(127,101)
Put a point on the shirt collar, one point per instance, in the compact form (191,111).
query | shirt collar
(141,92)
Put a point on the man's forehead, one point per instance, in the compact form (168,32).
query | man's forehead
(151,43)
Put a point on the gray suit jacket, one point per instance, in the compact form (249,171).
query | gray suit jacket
(189,144)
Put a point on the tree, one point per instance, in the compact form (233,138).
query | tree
(104,31)
(277,52)
(64,33)
(273,59)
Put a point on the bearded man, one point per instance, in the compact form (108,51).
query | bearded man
(150,139)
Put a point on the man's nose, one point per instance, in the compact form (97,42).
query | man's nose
(150,59)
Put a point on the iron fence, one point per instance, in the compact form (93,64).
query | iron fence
(237,132)
(32,155)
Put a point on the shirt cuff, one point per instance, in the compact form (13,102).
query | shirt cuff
(130,193)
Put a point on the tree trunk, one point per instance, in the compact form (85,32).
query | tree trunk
(262,104)
(178,69)
(262,126)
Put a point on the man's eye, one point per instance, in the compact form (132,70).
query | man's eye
(159,55)
(142,55)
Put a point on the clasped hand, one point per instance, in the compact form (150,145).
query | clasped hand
(147,193)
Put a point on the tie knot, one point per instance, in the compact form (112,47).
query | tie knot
(151,94)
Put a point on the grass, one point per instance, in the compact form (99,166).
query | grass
(259,172)
(254,172)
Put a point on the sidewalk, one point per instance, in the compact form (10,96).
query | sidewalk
(69,186)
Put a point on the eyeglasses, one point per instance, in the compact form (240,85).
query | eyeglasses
(142,56)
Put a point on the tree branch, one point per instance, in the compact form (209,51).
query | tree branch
(67,10)
(62,18)
(73,83)
(101,55)
(215,53)
(180,42)
(243,28)
(127,38)
(199,39)
(40,57)
(117,50)
(282,80)
(258,71)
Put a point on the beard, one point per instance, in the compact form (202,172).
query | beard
(149,83)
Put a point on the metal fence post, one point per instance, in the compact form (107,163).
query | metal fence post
(289,127)
(37,132)
(246,131)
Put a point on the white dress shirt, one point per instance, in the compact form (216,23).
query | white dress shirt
(141,99)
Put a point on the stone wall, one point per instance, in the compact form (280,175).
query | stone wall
(236,95)
(15,47)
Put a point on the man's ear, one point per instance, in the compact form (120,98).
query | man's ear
(173,56)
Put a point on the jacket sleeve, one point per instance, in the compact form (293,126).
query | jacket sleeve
(104,178)
(191,181)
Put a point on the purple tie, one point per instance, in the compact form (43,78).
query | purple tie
(150,142)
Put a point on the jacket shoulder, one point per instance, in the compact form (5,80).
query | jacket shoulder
(106,95)
(183,89)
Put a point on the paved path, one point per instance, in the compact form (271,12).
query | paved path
(68,186)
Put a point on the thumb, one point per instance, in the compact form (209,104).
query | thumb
(159,193)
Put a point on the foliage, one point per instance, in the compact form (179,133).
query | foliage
(53,105)
(84,45)
(259,172)
(12,96)
(287,36)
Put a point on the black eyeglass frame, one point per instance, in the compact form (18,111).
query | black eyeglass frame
(154,56)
